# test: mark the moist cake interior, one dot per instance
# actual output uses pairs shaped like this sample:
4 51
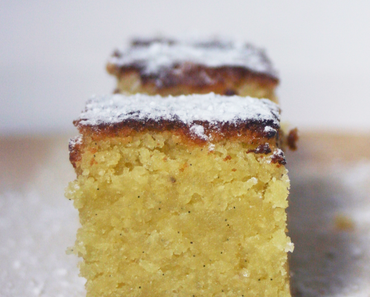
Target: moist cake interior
178 211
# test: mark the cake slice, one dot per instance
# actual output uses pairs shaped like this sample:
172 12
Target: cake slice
181 196
177 67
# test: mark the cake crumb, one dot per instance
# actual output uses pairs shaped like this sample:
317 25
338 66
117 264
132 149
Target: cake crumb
344 223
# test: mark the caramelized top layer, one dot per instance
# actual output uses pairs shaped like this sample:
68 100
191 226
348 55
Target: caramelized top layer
196 119
199 118
169 62
196 112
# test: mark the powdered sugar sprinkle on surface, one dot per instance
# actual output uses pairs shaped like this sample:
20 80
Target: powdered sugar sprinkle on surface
75 140
268 129
210 108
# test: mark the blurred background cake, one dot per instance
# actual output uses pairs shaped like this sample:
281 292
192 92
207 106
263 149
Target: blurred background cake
193 66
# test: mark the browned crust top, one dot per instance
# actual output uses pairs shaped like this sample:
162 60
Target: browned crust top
219 131
250 133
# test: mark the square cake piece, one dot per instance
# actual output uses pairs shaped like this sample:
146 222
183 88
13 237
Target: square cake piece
178 67
181 196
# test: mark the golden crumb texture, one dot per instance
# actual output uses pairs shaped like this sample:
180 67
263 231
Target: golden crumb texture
164 217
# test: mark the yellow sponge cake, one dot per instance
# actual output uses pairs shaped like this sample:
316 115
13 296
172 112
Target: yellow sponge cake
181 196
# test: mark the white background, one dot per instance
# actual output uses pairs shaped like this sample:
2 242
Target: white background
53 54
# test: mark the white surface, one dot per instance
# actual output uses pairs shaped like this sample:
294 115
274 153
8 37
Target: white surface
328 261
37 224
211 108
53 53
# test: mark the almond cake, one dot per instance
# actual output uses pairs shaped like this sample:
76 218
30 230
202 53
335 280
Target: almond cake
181 196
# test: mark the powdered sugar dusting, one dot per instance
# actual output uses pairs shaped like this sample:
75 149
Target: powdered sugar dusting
278 152
269 129
156 56
210 108
75 141
198 130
